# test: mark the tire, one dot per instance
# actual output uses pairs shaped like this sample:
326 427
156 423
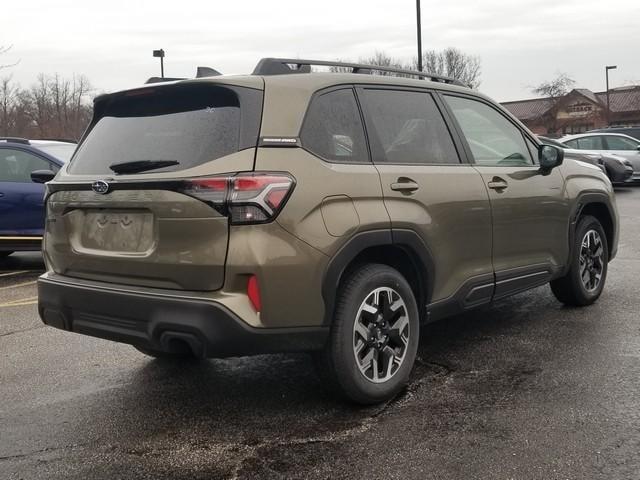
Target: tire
159 354
347 363
5 254
583 283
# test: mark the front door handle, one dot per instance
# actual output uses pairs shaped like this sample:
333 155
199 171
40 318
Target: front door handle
1 194
497 183
404 184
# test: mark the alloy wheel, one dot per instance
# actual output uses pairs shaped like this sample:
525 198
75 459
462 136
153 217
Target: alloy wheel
591 260
381 334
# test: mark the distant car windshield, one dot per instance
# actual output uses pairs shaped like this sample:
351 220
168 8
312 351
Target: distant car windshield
61 151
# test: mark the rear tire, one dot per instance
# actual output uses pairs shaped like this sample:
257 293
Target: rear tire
374 337
159 354
583 283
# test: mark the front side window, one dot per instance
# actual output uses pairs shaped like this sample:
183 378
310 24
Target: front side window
621 143
589 143
17 165
493 139
409 128
333 128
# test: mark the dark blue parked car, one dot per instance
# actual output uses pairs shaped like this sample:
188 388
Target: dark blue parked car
21 200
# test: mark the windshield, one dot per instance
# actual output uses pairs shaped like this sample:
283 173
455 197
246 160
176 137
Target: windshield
181 126
62 152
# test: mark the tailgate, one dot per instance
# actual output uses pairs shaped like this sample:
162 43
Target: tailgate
152 238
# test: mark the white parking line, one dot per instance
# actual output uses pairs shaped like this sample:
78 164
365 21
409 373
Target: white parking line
13 273
19 285
20 302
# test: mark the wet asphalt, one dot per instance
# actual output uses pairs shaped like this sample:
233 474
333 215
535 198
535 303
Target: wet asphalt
524 389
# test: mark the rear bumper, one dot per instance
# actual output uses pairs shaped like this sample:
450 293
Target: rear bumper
163 322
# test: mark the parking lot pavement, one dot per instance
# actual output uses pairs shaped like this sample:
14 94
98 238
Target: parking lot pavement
526 389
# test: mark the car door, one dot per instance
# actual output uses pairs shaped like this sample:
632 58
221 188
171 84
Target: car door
530 210
624 147
21 200
431 190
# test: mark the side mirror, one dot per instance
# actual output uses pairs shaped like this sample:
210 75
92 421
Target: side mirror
42 176
550 157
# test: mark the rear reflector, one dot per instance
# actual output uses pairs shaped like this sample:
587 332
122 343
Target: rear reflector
253 292
246 197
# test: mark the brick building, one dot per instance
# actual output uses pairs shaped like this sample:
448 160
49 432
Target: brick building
578 111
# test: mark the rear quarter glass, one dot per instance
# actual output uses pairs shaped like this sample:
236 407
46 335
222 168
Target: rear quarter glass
188 123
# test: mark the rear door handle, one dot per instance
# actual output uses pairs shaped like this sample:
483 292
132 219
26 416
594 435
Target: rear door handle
497 183
404 184
1 194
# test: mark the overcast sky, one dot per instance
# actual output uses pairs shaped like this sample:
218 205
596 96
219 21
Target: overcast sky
520 43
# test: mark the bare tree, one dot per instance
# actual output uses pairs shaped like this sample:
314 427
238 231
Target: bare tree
53 107
7 103
553 90
5 49
454 63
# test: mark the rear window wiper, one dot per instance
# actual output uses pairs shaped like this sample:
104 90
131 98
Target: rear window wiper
137 166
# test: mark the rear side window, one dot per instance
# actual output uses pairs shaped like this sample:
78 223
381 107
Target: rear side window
333 128
190 124
409 128
621 143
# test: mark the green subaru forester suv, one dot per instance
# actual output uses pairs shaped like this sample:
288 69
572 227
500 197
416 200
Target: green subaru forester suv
296 210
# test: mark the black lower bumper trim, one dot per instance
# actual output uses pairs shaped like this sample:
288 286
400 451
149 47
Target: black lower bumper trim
162 322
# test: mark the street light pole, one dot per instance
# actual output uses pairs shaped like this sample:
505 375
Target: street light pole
160 54
419 27
606 70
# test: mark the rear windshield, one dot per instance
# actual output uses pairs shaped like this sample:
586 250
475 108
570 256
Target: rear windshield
190 124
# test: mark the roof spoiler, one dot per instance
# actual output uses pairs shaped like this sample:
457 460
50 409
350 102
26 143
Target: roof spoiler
201 72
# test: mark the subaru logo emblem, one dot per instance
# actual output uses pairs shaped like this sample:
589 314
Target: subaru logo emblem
100 186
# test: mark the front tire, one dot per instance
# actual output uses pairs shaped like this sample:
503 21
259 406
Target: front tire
374 336
583 283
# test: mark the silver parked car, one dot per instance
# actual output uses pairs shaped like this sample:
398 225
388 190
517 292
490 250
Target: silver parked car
617 168
615 143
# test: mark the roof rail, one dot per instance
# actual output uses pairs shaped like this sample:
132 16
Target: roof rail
24 141
280 66
64 140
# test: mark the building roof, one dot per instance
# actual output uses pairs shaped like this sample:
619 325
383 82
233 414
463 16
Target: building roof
587 93
624 99
529 109
621 100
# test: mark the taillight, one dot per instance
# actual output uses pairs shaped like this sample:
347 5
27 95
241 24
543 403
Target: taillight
246 197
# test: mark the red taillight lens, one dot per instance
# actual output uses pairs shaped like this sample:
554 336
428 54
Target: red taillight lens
253 292
246 197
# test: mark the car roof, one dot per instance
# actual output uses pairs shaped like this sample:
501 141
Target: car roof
33 146
596 134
